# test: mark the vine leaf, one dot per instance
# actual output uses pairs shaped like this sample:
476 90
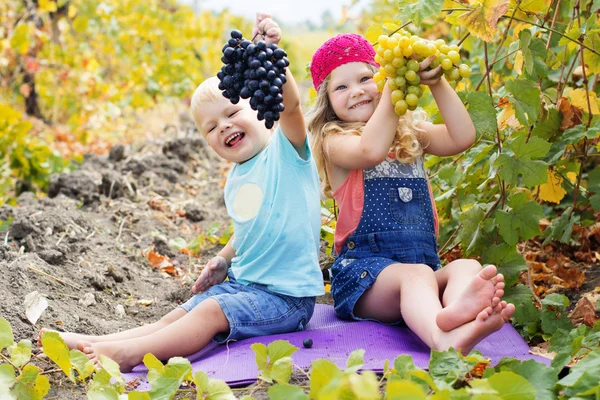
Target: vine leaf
508 261
552 191
418 10
520 163
6 334
482 21
482 112
526 100
579 98
522 221
512 386
286 392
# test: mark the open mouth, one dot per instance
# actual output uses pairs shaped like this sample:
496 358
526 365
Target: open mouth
234 139
362 103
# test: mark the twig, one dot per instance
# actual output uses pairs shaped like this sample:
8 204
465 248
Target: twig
451 237
88 237
121 229
464 38
53 277
391 33
532 287
51 371
302 370
60 239
10 362
552 24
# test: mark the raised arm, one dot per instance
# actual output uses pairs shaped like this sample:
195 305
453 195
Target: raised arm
458 132
291 119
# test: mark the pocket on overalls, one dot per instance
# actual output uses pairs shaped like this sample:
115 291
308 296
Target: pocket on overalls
407 205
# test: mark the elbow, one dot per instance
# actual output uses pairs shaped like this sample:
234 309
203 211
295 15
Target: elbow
373 157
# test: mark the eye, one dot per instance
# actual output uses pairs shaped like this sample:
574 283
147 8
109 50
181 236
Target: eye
233 113
365 78
340 87
211 129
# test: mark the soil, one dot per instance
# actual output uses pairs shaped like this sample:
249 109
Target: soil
84 247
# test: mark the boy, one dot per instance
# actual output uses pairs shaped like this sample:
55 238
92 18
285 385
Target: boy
272 195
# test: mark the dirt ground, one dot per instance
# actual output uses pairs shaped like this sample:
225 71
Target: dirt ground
84 247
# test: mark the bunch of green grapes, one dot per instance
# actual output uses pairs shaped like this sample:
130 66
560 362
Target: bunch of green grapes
399 56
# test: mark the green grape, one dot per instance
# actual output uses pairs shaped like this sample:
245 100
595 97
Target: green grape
447 64
380 86
398 62
410 76
416 90
400 81
407 51
388 55
412 108
397 95
444 49
380 51
391 43
464 70
382 40
411 99
416 81
401 71
454 56
392 84
398 51
454 75
434 64
400 107
390 71
413 65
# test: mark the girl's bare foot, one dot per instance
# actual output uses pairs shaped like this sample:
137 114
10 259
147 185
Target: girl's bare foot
124 356
465 337
485 290
70 338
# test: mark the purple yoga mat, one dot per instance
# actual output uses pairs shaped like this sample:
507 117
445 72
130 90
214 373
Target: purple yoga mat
335 339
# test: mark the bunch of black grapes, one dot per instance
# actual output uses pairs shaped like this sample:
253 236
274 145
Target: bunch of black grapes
255 71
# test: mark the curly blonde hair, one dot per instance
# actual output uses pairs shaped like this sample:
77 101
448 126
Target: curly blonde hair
322 121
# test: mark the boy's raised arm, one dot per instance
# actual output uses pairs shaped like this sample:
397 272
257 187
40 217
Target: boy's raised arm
291 119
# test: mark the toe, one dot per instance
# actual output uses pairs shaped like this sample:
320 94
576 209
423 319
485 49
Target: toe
508 311
488 272
499 293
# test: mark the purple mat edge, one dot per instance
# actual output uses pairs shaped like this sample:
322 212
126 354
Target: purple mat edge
195 359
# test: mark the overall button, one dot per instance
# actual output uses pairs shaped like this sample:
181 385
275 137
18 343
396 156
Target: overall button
364 273
350 245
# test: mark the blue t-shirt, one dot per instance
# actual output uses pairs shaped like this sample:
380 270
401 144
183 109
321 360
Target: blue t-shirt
274 201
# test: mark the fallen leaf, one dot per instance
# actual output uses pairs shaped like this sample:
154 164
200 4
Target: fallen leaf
157 204
158 261
145 302
35 305
571 115
579 98
585 311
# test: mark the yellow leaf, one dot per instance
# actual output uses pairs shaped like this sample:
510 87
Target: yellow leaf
47 5
373 33
534 6
572 176
506 118
519 62
552 191
578 99
72 11
482 21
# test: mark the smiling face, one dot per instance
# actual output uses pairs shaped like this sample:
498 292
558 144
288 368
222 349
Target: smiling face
353 92
232 130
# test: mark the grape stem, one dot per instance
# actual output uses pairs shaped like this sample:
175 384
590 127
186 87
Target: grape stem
391 33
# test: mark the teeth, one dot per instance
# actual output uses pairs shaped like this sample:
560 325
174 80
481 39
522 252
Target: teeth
359 104
230 138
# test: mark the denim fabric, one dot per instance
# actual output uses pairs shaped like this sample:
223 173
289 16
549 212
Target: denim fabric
253 310
396 226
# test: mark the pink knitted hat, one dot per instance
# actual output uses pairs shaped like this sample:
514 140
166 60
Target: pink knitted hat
340 50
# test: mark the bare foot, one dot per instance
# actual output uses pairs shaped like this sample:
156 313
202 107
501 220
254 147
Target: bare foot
485 290
465 337
123 356
70 338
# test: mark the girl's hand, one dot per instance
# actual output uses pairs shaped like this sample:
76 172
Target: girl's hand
266 29
214 272
431 77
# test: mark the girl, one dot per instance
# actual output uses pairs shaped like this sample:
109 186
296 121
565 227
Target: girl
371 162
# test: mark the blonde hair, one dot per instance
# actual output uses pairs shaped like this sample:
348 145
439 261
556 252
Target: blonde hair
207 92
322 121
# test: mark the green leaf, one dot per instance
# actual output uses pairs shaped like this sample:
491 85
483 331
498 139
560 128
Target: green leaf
281 371
83 365
403 364
534 55
20 353
403 390
554 314
364 385
533 172
166 383
507 259
286 392
418 10
138 396
511 386
548 125
20 38
261 355
56 350
483 113
470 235
31 385
583 375
280 349
212 389
325 377
561 227
522 221
534 149
355 360
6 334
113 369
7 380
525 99
447 366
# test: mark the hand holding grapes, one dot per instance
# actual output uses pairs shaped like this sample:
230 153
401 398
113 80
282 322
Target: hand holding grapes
266 29
432 76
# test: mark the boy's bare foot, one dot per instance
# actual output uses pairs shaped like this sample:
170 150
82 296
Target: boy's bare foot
70 338
485 290
467 336
123 356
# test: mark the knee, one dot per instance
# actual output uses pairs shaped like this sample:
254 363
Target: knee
416 273
464 266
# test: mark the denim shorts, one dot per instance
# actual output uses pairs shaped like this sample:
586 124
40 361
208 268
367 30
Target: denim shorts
363 257
253 310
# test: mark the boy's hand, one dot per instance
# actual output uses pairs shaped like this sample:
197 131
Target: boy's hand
432 77
214 272
266 29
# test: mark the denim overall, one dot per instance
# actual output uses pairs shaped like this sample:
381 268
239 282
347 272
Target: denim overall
396 226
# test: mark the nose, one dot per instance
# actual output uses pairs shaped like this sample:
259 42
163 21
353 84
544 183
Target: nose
224 126
357 91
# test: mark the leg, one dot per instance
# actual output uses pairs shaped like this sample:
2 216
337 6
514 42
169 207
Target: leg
183 337
467 290
413 287
72 338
